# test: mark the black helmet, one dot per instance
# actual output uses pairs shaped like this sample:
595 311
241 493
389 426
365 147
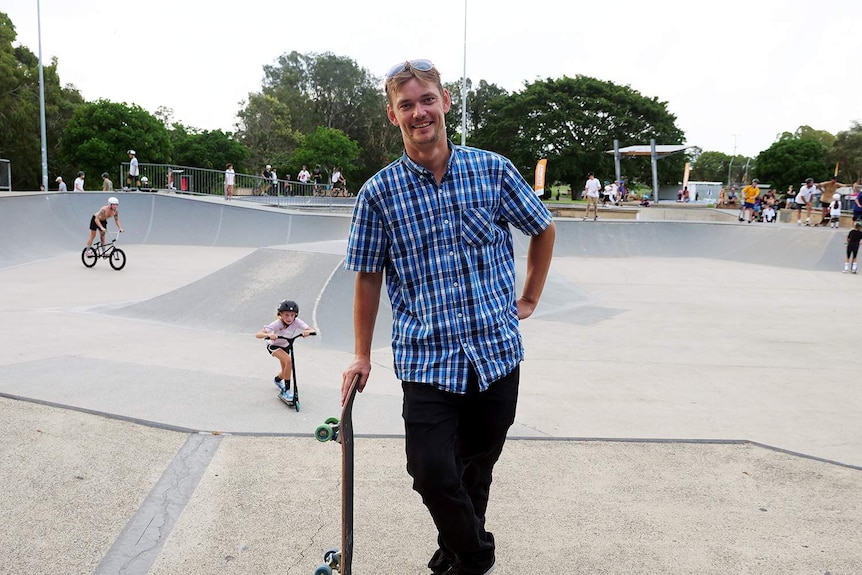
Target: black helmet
288 305
80 174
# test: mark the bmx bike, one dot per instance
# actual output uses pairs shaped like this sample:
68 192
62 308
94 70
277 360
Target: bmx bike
115 256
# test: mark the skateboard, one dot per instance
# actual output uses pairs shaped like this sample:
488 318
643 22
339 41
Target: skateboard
341 432
295 402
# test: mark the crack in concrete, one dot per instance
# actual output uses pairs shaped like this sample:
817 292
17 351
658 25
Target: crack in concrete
142 539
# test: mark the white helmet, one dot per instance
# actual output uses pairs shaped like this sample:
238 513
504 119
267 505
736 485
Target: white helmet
145 179
132 152
114 201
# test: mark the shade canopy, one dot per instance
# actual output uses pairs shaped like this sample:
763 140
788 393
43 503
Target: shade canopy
660 150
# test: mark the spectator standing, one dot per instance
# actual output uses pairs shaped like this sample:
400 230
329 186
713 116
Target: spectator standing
317 176
455 335
229 182
61 185
803 200
852 242
749 195
107 184
302 177
591 192
266 174
134 171
79 183
789 198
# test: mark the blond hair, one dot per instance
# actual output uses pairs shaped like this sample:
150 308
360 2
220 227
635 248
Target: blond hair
426 77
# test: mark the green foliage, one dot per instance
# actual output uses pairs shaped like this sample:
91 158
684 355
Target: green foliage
478 101
99 133
208 149
809 133
573 122
20 139
266 130
333 91
848 151
721 167
790 161
329 148
710 167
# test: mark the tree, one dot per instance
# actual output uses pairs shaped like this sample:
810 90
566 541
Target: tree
266 130
99 133
847 150
573 122
809 133
478 113
790 161
334 92
20 139
329 148
711 167
207 149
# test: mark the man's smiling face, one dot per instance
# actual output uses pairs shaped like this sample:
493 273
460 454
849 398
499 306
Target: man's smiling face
419 111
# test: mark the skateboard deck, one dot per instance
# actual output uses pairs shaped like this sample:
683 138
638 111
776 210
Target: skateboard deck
341 431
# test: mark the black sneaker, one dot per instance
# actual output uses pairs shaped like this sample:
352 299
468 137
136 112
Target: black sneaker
441 563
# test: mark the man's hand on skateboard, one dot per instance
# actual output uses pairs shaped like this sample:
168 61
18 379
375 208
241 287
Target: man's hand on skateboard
360 366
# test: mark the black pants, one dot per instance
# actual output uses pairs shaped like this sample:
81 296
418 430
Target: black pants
453 442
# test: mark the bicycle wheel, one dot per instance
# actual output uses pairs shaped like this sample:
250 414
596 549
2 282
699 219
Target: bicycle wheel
118 259
89 257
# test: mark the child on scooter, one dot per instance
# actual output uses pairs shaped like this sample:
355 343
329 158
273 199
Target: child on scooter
286 326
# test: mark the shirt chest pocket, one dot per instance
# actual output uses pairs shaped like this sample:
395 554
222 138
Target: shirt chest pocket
477 227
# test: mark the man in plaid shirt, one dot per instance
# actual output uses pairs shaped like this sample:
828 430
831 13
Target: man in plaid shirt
436 222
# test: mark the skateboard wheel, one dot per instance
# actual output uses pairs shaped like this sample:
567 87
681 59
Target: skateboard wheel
332 557
323 570
296 406
331 421
324 433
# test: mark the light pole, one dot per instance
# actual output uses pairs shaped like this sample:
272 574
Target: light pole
464 85
42 101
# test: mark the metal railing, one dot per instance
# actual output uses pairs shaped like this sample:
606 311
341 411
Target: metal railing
248 187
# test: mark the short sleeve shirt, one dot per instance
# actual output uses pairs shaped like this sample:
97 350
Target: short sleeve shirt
278 327
447 253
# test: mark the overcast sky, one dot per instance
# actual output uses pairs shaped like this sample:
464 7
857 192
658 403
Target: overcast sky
734 73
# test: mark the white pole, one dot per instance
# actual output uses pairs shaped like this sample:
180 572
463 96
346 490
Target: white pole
42 102
464 85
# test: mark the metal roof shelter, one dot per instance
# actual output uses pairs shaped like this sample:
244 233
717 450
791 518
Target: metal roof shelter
656 152
660 150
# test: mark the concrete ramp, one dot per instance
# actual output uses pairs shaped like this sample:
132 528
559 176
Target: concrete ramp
763 244
37 225
242 297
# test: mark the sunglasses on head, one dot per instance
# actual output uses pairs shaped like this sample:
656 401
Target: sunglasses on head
422 65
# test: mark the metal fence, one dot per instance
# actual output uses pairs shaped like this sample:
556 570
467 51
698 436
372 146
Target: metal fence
253 188
5 175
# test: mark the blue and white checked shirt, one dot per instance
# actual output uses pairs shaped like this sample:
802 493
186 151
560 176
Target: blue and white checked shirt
447 254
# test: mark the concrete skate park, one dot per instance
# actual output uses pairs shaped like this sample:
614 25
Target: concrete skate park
689 401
